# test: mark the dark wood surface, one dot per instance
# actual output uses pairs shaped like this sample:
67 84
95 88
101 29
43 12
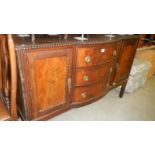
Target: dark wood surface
44 41
55 74
94 74
127 54
98 54
83 94
47 80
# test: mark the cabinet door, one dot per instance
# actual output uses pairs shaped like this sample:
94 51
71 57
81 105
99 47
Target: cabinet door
127 54
48 74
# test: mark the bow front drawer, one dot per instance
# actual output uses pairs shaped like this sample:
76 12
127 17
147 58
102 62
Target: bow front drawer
85 76
82 94
96 55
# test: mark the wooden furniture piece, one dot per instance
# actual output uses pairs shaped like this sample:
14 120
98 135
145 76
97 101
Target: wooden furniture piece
8 79
55 75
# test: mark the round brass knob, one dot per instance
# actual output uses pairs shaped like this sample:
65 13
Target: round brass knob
85 78
83 95
88 58
114 83
103 50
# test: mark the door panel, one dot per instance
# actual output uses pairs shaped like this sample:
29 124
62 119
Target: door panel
126 58
48 75
50 79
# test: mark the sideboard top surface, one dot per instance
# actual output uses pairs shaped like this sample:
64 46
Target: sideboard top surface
44 41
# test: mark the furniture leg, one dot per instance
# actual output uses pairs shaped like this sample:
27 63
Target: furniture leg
122 90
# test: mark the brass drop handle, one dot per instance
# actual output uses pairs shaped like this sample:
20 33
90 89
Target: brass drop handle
88 58
83 95
111 70
85 78
114 53
69 85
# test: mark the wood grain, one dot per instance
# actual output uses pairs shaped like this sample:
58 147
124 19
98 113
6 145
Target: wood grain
96 54
82 94
127 53
46 76
50 79
94 74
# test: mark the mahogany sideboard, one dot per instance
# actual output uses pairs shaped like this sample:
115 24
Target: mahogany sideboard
57 74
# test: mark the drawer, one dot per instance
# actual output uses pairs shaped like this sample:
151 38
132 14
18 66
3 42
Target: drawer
96 55
82 94
90 75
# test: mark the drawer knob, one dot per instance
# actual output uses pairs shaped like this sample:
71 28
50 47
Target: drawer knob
103 50
85 78
83 95
114 83
88 58
114 53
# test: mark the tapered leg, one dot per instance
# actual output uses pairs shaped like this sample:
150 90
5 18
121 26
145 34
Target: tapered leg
122 90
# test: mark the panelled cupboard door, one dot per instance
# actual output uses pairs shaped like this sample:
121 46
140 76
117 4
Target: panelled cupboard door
127 53
49 73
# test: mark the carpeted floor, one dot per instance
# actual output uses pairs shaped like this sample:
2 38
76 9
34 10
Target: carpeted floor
139 106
